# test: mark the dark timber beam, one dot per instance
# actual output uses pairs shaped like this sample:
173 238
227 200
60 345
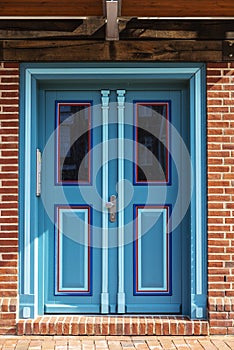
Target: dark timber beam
129 29
139 40
80 50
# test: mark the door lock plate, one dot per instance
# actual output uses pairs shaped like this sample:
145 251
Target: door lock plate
111 206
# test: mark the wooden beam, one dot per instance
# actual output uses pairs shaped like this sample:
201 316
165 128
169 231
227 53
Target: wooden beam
89 27
80 50
52 29
175 29
132 8
45 8
46 50
178 8
1 50
129 28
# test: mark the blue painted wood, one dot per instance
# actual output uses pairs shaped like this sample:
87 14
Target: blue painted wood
121 293
105 199
77 308
73 249
116 74
157 275
73 273
28 242
161 308
152 251
198 203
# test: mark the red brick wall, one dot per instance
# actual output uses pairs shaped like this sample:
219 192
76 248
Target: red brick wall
220 106
9 118
220 129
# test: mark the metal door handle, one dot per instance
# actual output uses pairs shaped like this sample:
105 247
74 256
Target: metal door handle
38 174
112 208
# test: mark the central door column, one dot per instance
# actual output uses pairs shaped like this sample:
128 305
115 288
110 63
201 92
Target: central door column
105 199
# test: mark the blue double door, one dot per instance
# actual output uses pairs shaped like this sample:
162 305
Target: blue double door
111 201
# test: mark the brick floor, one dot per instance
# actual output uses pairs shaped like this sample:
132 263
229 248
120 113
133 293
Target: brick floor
116 343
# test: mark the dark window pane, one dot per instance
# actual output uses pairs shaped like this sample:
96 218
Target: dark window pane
73 142
151 163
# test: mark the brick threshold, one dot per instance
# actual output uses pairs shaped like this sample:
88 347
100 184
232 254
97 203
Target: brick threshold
112 325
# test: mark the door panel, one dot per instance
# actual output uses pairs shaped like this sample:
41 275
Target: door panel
92 264
152 251
73 243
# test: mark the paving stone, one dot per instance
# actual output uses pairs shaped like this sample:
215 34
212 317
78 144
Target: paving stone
220 344
22 344
180 343
166 343
193 344
116 343
35 344
119 337
74 342
101 344
140 345
207 344
154 344
115 347
230 343
9 344
87 345
48 345
126 344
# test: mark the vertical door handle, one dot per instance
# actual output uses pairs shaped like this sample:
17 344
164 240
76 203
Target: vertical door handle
38 174
112 208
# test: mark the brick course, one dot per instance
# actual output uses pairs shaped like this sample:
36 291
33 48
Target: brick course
105 325
220 173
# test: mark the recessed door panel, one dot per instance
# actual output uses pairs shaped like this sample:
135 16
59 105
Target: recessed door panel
152 255
73 251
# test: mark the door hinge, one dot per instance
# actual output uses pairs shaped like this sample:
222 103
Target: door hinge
38 174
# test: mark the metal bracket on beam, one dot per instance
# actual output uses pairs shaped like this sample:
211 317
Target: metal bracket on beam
112 28
228 50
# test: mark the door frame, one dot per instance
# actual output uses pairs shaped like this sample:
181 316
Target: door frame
31 247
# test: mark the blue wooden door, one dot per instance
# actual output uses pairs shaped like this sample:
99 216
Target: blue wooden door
100 143
152 267
72 263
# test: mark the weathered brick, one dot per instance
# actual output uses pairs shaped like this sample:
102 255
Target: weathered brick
9 107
